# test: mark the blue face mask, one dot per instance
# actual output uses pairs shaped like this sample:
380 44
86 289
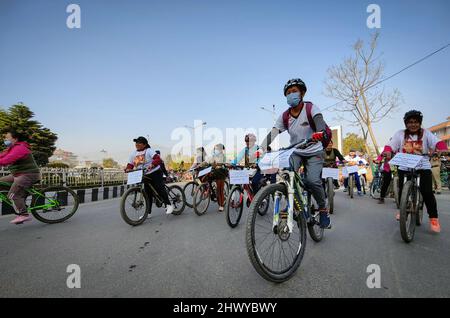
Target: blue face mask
293 99
7 143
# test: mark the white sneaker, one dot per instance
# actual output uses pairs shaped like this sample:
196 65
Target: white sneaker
170 209
221 209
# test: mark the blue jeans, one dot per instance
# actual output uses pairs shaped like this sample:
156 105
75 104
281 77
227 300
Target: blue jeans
358 183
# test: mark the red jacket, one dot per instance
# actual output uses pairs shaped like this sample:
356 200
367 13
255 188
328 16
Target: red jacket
18 151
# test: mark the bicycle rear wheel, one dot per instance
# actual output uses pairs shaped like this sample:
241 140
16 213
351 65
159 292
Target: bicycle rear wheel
275 253
395 188
134 206
330 195
408 213
176 198
189 192
419 213
54 205
234 206
202 199
314 229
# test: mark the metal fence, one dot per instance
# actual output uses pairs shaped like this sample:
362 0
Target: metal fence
79 178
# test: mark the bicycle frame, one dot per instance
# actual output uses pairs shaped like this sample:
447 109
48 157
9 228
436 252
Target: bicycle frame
296 189
415 179
32 191
153 190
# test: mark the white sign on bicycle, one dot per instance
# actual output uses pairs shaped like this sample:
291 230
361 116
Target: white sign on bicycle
352 169
277 159
345 172
362 171
405 160
330 173
239 177
204 172
134 177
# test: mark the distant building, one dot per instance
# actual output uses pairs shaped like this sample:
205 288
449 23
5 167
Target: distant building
337 137
442 131
66 157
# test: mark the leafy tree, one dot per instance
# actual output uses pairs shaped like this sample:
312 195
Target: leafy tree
41 139
110 163
57 164
355 142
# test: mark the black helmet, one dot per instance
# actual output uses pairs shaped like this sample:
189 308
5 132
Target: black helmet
295 82
413 114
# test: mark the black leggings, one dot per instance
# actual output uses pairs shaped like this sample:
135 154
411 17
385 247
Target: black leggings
156 179
426 188
387 178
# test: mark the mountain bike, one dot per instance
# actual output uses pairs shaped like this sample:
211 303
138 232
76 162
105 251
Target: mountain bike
375 186
276 241
135 203
190 188
205 192
411 206
50 205
235 201
329 187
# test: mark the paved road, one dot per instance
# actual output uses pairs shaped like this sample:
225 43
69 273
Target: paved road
191 256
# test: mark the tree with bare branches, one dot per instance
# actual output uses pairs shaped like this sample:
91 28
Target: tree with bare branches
355 83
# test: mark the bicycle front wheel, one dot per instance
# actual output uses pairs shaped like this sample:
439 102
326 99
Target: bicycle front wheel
54 204
134 206
351 186
202 199
234 206
274 251
375 188
408 206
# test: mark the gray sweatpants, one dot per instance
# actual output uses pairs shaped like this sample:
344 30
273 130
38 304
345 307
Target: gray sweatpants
17 192
313 166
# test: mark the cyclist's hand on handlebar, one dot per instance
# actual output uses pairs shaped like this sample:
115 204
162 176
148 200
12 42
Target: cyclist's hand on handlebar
318 136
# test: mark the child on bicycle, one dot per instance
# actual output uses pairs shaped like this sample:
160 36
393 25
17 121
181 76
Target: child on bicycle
145 158
24 172
304 120
353 159
251 155
386 176
419 141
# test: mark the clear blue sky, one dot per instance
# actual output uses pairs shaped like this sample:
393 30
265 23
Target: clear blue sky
146 67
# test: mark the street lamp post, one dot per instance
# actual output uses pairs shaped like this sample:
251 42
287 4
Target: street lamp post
203 123
273 112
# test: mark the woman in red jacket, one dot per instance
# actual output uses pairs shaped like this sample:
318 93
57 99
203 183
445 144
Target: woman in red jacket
24 172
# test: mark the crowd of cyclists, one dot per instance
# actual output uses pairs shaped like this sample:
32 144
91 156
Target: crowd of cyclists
302 120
